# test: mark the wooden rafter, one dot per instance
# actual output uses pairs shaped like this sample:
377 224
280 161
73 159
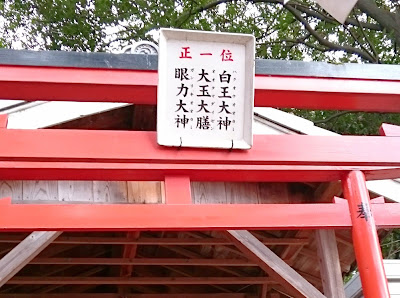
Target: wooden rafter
157 241
143 261
129 252
273 265
23 253
77 280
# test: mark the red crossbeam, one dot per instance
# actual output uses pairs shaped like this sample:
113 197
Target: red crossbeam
119 217
141 147
139 87
79 155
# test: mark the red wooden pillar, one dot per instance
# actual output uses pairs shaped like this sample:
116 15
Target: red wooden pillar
177 190
365 238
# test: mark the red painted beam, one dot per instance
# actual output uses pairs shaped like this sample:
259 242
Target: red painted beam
139 87
114 155
327 93
134 217
156 172
389 130
121 146
120 217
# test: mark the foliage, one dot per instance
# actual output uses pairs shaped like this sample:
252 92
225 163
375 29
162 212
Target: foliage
391 245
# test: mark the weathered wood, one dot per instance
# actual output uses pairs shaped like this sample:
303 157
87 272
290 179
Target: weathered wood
329 263
64 280
143 261
69 191
23 253
129 252
110 191
311 254
157 241
327 191
40 190
264 291
144 192
144 117
273 193
11 189
273 264
242 193
209 192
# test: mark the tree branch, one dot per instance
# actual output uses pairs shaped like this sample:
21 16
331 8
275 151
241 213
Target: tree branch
185 16
331 20
332 117
388 20
376 60
371 45
321 16
325 42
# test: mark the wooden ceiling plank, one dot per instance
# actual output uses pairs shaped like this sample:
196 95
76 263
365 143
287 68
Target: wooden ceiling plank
183 273
156 241
329 262
90 272
77 280
58 269
273 264
142 261
190 254
311 254
23 253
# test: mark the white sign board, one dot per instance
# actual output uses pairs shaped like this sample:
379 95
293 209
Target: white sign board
205 89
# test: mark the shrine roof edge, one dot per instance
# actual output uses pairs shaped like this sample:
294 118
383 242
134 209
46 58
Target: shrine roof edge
150 62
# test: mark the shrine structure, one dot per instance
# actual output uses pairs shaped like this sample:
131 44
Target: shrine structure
93 207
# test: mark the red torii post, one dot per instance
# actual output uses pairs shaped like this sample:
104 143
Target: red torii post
369 257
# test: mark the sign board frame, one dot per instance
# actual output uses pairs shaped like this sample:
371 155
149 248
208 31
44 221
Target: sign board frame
166 135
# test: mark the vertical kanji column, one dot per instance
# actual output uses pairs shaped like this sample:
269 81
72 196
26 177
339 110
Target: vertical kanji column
365 238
